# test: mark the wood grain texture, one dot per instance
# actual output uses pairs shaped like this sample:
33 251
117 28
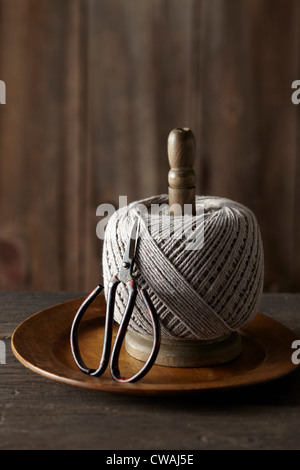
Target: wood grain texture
41 202
40 414
276 135
93 90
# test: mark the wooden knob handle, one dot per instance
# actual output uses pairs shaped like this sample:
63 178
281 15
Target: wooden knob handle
181 177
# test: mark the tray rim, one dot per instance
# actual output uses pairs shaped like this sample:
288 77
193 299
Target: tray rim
150 389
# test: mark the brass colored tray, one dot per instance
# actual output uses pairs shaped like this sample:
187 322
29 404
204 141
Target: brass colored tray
41 343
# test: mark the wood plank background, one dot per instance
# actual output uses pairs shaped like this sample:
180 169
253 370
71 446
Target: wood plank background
94 88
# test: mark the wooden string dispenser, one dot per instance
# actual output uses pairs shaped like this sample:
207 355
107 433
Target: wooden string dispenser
184 352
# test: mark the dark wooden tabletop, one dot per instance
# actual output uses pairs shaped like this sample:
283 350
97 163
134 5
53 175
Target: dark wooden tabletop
38 413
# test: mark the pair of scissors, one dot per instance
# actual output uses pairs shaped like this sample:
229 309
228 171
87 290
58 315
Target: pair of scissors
125 276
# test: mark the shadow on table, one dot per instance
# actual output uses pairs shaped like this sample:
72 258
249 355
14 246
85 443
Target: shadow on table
282 392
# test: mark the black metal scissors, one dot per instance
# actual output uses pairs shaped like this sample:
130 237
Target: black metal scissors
125 276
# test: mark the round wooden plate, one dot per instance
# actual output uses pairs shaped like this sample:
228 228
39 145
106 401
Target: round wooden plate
42 344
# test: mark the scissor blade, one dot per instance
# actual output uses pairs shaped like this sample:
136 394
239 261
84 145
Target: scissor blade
128 259
132 243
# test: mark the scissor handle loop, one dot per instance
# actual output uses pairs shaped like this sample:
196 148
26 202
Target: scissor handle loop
107 332
114 363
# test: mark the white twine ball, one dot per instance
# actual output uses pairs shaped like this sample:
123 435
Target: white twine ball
200 293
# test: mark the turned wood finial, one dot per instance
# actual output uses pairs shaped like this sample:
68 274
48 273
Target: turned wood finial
181 177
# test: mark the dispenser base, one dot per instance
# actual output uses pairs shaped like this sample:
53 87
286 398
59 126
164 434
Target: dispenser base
185 352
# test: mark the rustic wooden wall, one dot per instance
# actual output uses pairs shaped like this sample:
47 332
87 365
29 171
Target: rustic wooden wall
93 89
